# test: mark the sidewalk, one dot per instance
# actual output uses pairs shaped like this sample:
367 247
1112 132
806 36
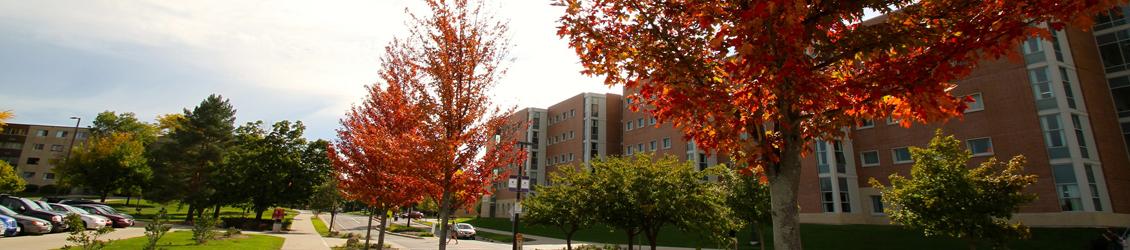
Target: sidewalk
302 235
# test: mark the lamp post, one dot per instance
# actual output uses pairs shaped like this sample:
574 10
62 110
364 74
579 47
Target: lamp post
518 203
74 135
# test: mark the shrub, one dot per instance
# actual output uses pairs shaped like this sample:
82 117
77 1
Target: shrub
250 224
232 231
595 247
31 188
83 239
156 229
203 230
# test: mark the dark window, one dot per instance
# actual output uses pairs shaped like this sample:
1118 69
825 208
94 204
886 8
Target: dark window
826 195
1121 101
33 161
876 204
845 198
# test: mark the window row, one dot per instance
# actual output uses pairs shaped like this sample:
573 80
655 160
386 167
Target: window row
651 146
562 117
974 104
561 138
639 123
46 176
901 155
563 158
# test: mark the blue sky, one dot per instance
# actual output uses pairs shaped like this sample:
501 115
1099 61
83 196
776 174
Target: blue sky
275 60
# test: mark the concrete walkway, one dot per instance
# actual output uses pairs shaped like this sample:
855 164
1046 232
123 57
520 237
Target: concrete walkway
302 235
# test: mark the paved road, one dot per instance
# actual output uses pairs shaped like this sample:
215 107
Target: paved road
57 240
357 224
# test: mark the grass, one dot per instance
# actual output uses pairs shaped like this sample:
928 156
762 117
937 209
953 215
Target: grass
178 212
183 240
498 237
817 236
320 226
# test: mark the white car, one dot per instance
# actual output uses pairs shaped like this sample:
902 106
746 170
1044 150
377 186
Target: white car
464 230
92 221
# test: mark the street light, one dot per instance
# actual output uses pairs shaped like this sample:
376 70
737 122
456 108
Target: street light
518 204
74 135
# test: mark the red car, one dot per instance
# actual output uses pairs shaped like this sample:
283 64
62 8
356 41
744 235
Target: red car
120 220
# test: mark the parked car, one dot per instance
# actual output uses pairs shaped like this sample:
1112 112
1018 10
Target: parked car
79 201
464 230
413 215
120 220
9 226
30 208
27 224
91 221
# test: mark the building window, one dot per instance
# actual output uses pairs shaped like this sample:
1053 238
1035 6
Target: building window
1053 136
628 150
821 157
1066 76
701 162
570 135
1110 48
1078 123
81 135
570 156
61 134
534 160
639 147
865 123
628 127
1045 98
869 158
1094 187
1033 50
57 148
666 143
572 113
976 104
595 108
640 122
594 150
32 161
845 198
652 146
876 204
901 155
652 121
829 205
1113 17
11 145
594 130
841 159
28 175
1067 187
892 120
980 146
48 176
537 121
39 146
41 133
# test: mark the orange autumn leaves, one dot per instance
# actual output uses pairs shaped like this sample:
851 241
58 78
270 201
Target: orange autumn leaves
427 128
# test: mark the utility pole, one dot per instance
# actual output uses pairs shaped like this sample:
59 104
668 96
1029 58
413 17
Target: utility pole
518 203
73 136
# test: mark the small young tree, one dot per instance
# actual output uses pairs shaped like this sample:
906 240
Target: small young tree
749 199
85 240
944 197
561 205
106 163
156 229
9 181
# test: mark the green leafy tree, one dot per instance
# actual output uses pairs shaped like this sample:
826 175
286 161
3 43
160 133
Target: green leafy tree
109 122
640 194
106 164
9 181
197 146
945 197
560 205
276 167
748 197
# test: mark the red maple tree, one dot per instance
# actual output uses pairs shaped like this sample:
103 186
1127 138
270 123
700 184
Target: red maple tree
456 53
761 79
375 153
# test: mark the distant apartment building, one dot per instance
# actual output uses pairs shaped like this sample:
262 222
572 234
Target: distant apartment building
569 133
33 149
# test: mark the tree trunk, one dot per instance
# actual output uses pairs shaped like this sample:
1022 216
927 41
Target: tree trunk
127 200
569 240
216 213
333 213
384 226
783 183
757 234
651 237
444 206
369 228
409 223
259 214
631 238
191 211
104 194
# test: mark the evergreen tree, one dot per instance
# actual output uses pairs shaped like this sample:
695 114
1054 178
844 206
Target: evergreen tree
193 153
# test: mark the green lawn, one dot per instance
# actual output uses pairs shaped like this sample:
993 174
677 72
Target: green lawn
818 237
177 212
320 226
183 240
